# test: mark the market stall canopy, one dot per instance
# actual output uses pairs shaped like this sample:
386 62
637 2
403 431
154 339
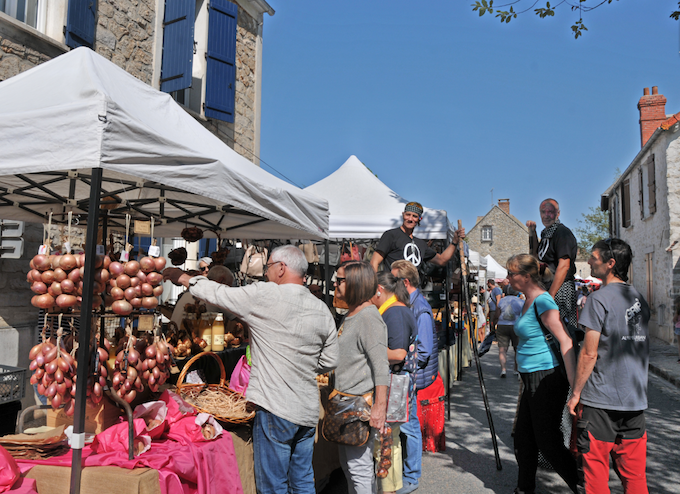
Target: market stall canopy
494 269
361 206
476 260
79 111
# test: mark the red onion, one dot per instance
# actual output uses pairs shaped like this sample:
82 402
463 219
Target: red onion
116 269
47 277
160 263
59 275
42 262
123 281
147 264
65 301
131 268
122 307
149 302
68 262
44 301
157 290
154 278
117 293
67 286
55 289
130 293
39 287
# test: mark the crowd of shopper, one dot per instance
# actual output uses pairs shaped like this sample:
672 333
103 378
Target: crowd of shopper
388 330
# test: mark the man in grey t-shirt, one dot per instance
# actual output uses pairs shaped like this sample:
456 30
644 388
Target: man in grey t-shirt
610 390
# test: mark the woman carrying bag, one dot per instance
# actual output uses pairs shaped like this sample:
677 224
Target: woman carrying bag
545 386
363 367
392 300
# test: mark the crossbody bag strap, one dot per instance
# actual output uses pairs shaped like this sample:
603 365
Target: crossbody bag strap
549 338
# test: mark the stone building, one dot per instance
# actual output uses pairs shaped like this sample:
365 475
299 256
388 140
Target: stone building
644 210
206 53
499 234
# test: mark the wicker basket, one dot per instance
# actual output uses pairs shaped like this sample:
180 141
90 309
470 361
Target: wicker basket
184 389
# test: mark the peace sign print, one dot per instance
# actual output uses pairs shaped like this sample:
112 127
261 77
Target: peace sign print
412 253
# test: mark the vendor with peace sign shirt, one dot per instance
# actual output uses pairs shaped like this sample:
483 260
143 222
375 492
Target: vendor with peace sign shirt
399 243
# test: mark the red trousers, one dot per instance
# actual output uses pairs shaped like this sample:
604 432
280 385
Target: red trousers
620 435
431 409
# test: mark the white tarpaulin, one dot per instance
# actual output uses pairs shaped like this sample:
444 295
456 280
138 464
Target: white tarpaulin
361 206
79 111
495 270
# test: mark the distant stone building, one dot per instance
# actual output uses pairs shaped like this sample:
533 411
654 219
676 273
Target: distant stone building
499 234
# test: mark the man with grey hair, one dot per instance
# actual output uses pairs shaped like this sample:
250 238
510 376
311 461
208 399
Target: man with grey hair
293 338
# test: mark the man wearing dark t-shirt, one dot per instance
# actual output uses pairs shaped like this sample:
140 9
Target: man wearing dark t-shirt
399 243
610 387
557 250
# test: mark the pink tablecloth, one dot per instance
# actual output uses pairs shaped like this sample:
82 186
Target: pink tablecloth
185 463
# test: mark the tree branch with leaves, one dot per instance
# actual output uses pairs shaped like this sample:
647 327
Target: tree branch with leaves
579 6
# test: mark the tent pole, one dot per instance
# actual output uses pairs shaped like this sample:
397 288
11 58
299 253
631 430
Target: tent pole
78 439
446 325
326 273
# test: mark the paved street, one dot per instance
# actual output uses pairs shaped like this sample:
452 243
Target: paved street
468 465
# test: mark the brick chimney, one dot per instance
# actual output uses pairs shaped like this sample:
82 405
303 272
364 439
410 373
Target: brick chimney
504 204
652 113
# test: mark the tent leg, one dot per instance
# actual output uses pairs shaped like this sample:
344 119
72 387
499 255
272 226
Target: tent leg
327 274
85 330
447 332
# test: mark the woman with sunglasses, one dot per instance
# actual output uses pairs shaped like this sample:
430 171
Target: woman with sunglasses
204 265
363 366
545 388
392 300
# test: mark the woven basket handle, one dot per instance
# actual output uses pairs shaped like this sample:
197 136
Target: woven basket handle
185 370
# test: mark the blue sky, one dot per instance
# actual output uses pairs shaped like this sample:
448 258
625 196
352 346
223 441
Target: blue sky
444 105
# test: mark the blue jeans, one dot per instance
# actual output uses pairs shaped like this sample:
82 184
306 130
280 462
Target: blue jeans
413 447
282 453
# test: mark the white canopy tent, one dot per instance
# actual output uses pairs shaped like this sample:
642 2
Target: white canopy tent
494 269
78 112
78 131
362 207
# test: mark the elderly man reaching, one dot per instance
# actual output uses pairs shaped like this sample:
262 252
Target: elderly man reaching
293 338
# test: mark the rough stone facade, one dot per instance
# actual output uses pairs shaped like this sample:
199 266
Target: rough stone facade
125 35
22 48
509 237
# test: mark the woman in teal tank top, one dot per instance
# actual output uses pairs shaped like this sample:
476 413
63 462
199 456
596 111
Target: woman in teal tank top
545 388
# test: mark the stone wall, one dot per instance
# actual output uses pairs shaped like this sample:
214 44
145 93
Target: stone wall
22 48
125 35
509 236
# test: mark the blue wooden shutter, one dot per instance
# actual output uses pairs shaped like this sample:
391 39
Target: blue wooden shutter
81 23
220 87
178 44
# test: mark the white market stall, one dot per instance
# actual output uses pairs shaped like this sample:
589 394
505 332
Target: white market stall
77 132
363 207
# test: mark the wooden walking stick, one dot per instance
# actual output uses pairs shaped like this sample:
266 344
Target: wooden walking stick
466 300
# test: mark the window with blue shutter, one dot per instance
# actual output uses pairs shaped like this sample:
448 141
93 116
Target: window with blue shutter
178 44
206 246
220 87
81 23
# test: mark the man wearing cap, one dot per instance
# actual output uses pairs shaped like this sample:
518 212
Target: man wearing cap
399 243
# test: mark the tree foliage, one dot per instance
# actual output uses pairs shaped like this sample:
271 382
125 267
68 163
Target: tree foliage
578 6
593 227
